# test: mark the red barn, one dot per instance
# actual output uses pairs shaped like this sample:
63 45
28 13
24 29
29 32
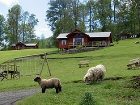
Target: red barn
71 40
21 45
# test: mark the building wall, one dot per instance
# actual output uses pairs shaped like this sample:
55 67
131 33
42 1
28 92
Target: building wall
89 42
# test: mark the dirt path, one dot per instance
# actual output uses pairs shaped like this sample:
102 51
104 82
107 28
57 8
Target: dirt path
10 97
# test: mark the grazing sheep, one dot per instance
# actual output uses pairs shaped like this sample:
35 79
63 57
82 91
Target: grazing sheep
94 74
49 83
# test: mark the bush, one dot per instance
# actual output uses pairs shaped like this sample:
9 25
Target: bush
87 99
79 47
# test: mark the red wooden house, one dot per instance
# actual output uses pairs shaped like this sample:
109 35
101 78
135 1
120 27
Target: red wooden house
75 38
21 45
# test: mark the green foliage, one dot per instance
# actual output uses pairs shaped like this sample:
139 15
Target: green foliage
42 42
2 27
13 22
94 15
18 26
79 47
26 27
87 99
50 42
103 13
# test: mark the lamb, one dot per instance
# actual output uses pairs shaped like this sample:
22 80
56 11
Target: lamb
48 83
94 74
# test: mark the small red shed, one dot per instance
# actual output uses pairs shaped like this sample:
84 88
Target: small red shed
21 45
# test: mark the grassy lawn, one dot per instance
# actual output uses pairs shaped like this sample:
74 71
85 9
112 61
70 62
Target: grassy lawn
105 93
8 55
65 67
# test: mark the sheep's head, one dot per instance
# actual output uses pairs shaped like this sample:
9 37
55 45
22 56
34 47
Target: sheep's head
37 79
89 79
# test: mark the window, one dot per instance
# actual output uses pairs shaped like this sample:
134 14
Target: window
78 39
63 42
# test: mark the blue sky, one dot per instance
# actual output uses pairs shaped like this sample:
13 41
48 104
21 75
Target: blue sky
37 7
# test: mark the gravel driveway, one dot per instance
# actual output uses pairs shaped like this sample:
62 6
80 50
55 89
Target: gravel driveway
10 97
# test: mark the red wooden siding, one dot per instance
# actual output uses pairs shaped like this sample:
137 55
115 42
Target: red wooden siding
72 39
21 45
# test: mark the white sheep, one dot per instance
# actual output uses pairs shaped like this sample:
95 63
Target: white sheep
94 74
48 83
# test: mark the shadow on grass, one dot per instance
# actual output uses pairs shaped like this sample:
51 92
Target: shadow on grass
109 78
134 81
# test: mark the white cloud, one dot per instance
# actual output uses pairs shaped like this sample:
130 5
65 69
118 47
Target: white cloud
41 30
9 3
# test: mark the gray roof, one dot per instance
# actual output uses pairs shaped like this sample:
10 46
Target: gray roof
63 35
28 44
31 44
99 34
93 34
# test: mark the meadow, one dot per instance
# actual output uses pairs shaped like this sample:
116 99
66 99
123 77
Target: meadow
65 67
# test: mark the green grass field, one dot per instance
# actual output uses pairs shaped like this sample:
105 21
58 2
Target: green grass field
65 67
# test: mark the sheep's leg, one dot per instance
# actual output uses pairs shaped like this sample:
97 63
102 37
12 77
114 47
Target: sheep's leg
100 78
57 90
60 89
43 90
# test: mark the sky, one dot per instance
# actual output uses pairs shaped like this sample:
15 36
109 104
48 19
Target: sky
37 7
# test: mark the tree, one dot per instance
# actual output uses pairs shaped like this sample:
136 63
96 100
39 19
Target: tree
75 9
32 21
115 8
90 10
42 42
59 17
103 13
26 27
137 5
83 16
13 23
2 27
123 20
23 25
20 27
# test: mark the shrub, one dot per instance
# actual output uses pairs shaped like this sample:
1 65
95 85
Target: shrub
87 99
